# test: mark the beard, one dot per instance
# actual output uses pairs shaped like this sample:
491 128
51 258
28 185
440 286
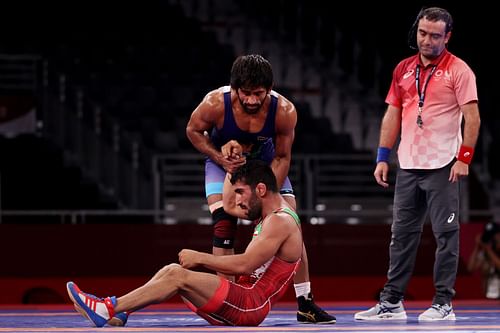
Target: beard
255 108
254 208
430 52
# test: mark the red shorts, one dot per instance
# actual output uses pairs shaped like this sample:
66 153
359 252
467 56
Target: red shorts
235 305
248 302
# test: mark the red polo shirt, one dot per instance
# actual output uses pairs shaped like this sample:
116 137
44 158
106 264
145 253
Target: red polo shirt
451 85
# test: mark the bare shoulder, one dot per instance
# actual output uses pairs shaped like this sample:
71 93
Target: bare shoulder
285 107
281 221
284 230
214 99
286 117
211 108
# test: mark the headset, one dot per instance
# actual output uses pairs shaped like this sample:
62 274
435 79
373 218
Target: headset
412 34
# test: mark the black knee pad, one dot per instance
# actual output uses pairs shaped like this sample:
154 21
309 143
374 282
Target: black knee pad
224 229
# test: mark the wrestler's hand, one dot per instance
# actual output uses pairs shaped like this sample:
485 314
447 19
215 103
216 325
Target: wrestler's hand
232 152
189 258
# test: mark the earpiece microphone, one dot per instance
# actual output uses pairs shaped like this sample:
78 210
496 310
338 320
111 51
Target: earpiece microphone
412 34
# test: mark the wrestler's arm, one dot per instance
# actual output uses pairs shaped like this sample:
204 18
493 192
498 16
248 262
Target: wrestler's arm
274 232
229 199
204 118
286 120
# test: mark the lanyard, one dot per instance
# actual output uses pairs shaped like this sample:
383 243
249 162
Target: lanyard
421 94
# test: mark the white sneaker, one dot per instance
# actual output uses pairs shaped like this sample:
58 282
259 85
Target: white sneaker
493 287
438 312
383 311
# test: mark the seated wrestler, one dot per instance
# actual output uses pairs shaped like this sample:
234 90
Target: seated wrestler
267 266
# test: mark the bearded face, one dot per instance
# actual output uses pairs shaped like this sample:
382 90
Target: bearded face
251 100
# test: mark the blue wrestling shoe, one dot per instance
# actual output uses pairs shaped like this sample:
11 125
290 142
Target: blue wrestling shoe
120 319
98 310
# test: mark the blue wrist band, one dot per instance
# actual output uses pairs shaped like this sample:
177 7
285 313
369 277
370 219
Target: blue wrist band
383 154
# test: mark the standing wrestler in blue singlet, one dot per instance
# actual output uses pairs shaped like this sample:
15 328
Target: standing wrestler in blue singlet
248 121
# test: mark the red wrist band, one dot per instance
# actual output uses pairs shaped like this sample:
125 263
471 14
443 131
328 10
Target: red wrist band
465 154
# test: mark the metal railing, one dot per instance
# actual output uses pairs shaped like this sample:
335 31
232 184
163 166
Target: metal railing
338 187
335 188
170 188
19 72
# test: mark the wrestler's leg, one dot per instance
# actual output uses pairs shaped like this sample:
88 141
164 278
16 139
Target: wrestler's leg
302 274
197 287
308 311
223 222
224 226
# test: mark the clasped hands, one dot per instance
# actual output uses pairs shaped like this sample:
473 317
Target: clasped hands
233 155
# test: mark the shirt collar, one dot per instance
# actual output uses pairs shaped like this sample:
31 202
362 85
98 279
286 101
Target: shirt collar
434 62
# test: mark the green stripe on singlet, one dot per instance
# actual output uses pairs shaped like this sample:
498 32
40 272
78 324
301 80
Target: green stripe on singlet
289 212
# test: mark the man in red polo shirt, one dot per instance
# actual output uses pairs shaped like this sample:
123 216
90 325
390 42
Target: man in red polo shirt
431 94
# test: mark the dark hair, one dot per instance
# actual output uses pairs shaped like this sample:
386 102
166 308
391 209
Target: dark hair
435 14
254 172
251 71
432 14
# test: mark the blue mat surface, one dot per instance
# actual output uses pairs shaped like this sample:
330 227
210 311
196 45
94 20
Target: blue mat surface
474 316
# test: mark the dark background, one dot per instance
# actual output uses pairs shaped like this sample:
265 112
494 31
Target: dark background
45 256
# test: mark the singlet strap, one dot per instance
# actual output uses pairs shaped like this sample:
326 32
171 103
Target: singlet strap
228 110
270 123
289 212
